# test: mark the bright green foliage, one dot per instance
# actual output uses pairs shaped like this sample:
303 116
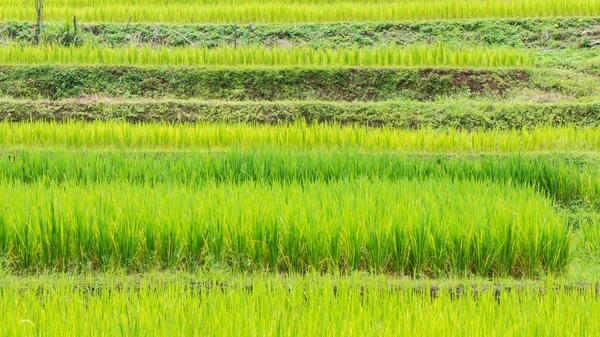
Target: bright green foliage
292 136
555 176
322 209
251 11
312 306
431 227
416 55
259 197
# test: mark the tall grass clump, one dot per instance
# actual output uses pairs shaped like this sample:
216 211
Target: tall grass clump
293 136
311 306
590 231
414 227
416 55
281 11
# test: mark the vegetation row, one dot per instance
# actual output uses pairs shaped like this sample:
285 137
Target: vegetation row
543 34
280 11
409 56
566 179
446 114
415 227
289 83
268 306
123 136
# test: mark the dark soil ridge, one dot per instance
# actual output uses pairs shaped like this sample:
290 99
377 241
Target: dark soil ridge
472 291
550 33
460 114
269 84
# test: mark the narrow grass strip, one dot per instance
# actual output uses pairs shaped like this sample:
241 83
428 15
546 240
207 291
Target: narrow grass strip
293 136
410 56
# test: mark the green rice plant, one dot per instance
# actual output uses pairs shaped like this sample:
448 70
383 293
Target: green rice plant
280 11
91 3
416 55
415 227
591 234
269 306
561 178
294 136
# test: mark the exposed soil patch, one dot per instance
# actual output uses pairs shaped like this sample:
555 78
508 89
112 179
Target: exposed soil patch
478 81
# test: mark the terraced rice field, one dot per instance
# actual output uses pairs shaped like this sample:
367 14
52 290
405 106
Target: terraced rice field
300 168
249 11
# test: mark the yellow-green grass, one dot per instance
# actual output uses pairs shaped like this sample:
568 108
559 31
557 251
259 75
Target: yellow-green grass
119 135
268 306
410 56
279 11
414 227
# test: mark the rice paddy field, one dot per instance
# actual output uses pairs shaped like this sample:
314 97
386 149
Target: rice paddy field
418 55
251 11
300 168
